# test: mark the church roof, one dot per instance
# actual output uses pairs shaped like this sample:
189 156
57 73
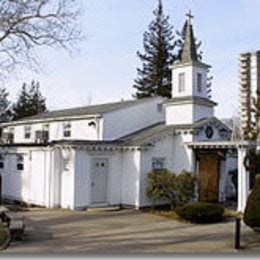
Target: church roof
93 110
191 99
154 132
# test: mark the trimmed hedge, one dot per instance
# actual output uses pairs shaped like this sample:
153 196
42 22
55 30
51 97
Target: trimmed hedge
252 211
201 212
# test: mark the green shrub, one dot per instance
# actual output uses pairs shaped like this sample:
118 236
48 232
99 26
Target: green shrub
176 189
201 212
252 211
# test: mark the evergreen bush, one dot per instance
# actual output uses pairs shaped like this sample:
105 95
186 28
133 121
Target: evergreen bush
175 189
252 211
201 212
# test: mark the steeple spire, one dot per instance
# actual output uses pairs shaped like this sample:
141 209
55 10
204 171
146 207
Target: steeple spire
189 51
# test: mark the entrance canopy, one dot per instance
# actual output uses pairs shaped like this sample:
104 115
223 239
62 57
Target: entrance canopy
243 174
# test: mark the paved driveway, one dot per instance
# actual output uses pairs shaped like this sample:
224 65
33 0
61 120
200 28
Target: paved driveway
112 231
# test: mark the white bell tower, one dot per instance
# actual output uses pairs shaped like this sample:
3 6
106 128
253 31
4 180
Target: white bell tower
190 101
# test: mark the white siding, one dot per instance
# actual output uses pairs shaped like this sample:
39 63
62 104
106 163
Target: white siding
178 114
28 185
131 178
68 182
79 130
125 121
83 172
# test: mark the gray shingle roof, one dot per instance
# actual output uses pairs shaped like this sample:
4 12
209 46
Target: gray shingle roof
146 135
84 111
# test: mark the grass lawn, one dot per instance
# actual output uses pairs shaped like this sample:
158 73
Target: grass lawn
2 234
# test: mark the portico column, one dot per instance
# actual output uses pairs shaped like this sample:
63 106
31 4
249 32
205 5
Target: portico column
243 179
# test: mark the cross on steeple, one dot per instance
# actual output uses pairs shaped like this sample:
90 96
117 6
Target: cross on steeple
190 16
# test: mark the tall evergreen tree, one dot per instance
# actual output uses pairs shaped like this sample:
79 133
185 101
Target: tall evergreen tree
30 101
154 78
5 105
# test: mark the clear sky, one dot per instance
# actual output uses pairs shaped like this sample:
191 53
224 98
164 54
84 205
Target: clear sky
105 67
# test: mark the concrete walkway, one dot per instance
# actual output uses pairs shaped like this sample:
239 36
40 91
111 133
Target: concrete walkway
125 231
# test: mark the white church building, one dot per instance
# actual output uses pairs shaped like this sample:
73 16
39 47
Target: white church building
100 155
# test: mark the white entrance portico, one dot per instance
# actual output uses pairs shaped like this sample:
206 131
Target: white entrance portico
221 149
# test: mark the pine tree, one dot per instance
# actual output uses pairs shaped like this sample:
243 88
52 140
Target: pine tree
5 112
30 101
154 78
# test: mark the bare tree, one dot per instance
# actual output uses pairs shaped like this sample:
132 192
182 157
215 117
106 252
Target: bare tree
27 25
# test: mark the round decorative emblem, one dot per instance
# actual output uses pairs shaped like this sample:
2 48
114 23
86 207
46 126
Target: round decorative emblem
209 132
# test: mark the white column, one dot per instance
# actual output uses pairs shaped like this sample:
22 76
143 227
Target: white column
243 180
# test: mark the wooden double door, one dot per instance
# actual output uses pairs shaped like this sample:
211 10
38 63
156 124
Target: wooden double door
209 173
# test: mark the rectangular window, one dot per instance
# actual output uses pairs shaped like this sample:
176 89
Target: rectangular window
159 108
67 130
181 82
158 163
20 162
45 127
199 82
10 135
27 132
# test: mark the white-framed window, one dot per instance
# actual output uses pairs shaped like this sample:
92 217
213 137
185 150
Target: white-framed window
19 162
199 82
160 108
27 132
158 163
181 82
67 129
45 127
9 135
2 163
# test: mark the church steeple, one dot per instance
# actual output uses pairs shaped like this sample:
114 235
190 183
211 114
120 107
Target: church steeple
189 51
190 99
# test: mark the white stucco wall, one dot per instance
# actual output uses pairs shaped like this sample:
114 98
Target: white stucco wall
128 120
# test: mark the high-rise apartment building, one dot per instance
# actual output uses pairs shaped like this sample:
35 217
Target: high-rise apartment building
249 85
